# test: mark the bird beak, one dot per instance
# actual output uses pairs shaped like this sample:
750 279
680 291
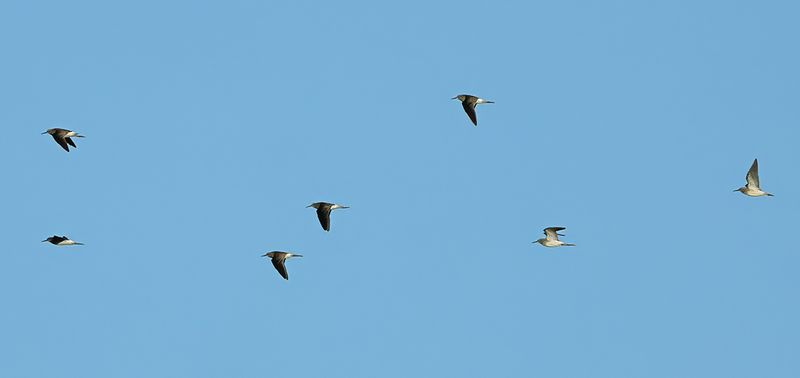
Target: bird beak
264 255
44 240
44 133
454 98
308 206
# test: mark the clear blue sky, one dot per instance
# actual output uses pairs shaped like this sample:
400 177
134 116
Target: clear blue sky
210 127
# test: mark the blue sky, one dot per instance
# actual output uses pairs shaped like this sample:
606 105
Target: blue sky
210 127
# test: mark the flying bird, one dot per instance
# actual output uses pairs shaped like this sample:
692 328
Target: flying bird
61 241
63 137
324 212
278 260
551 238
469 102
753 187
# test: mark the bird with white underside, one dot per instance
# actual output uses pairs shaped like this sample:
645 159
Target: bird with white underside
60 241
551 238
753 187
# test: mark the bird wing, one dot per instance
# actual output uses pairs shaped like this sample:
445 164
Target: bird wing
469 107
59 239
280 267
61 142
552 232
752 176
71 143
324 215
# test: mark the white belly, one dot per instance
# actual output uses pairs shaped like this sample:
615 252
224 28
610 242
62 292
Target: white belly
552 243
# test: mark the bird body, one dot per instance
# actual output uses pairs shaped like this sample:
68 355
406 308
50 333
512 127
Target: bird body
553 243
755 192
324 212
60 241
469 102
551 238
279 261
63 137
753 187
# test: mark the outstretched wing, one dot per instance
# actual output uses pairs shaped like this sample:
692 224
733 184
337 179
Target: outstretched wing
752 176
324 215
71 143
469 107
552 232
61 142
280 267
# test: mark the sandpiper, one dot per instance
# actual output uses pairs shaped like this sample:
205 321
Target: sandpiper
753 187
324 212
469 102
63 137
61 241
551 238
278 260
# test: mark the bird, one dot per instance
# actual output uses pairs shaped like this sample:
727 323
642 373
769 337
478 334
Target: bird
63 137
278 260
469 102
324 212
753 187
61 241
551 238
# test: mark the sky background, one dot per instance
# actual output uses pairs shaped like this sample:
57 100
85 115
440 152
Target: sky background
209 127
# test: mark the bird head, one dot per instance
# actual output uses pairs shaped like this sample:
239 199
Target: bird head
742 189
459 98
48 131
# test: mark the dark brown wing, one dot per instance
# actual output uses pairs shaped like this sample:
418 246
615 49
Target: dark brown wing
470 109
324 215
280 267
71 143
61 143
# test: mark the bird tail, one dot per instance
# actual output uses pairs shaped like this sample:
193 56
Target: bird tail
771 195
297 255
76 243
568 245
488 102
78 136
